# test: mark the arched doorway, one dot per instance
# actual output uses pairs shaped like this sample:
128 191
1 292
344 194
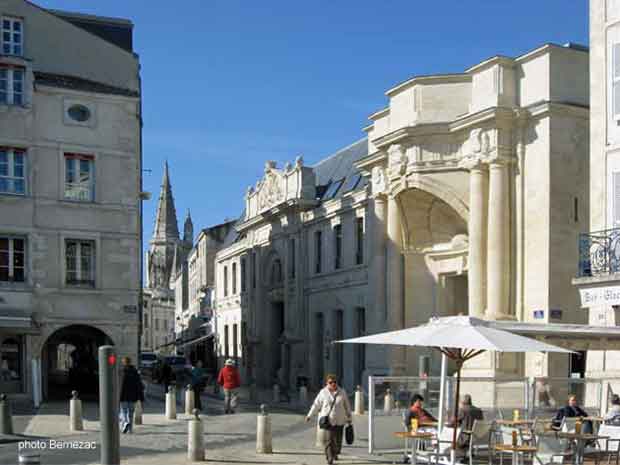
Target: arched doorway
435 249
69 362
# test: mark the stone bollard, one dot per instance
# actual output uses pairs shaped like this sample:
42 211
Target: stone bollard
388 401
190 402
303 395
276 394
195 439
263 432
6 419
137 413
171 403
359 401
75 413
322 436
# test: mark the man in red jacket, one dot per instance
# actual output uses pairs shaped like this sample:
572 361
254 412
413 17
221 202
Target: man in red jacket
229 379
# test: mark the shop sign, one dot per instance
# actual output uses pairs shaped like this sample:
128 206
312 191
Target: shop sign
604 295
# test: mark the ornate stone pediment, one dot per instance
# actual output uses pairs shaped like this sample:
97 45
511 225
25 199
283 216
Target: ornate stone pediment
292 183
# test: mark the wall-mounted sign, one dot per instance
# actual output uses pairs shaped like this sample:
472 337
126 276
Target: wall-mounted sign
555 314
604 295
539 314
130 308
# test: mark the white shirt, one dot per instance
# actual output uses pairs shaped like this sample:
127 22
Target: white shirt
340 414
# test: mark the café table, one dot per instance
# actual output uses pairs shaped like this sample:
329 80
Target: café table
416 437
580 440
515 450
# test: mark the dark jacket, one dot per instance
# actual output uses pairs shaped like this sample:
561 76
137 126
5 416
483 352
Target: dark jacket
467 416
568 412
132 388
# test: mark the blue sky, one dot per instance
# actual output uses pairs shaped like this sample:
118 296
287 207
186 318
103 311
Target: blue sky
228 84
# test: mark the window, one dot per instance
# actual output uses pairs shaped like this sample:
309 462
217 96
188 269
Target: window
156 324
332 190
235 341
11 85
234 278
276 272
359 241
244 339
225 281
79 177
226 341
615 79
165 325
338 246
318 252
11 364
243 276
253 270
146 321
12 259
80 262
12 171
292 258
616 198
12 36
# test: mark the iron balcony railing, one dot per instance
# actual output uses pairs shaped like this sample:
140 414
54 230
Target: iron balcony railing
599 252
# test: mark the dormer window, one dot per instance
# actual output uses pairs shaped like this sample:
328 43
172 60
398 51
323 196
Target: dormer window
12 36
11 85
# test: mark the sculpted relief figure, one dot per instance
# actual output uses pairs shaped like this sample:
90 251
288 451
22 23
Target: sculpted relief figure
271 191
378 180
397 159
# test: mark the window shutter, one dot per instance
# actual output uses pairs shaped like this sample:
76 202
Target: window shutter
616 198
615 78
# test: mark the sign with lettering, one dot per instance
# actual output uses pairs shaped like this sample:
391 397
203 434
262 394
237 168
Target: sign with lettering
604 295
130 308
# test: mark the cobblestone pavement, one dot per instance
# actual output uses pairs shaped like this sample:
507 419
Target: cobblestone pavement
229 439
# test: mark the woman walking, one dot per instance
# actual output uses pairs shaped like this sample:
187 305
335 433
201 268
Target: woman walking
132 390
332 402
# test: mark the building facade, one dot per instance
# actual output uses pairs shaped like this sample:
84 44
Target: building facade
473 191
166 252
598 278
70 193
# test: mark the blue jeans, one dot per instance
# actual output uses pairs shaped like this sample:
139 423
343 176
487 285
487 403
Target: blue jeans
127 409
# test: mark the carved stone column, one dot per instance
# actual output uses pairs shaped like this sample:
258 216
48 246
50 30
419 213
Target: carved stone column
395 276
477 259
498 268
377 257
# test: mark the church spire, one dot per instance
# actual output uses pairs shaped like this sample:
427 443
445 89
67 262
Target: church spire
188 230
166 226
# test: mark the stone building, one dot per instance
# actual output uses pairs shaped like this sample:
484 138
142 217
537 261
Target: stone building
161 260
70 171
599 263
193 284
476 192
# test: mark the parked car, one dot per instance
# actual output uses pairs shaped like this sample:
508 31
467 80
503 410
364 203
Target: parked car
148 362
180 368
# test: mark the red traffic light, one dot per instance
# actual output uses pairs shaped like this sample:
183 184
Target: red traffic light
111 359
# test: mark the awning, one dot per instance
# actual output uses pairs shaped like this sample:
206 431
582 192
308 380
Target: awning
19 321
566 335
197 340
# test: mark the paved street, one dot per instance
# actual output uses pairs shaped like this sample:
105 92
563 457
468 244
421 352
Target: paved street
228 438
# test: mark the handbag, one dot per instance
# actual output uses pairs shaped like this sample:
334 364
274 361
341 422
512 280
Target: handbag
324 421
349 434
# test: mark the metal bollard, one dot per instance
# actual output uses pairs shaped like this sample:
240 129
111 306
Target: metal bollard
263 432
171 403
29 458
303 395
359 401
195 439
388 401
190 401
75 413
6 420
137 413
276 394
108 406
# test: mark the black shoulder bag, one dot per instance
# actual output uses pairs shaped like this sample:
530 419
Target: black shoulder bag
324 421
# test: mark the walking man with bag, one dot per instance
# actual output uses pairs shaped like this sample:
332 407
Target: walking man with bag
132 390
332 405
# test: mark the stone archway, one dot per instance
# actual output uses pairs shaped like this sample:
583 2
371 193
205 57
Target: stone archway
69 361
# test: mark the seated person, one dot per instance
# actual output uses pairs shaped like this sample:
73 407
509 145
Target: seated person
468 413
612 417
417 411
572 410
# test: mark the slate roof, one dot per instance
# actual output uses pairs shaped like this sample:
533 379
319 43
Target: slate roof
77 83
339 166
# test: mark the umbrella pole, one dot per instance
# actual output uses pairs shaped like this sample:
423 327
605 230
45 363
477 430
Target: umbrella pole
459 364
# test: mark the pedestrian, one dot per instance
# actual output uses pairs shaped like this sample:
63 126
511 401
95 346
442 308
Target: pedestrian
230 380
199 375
132 390
332 402
167 375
